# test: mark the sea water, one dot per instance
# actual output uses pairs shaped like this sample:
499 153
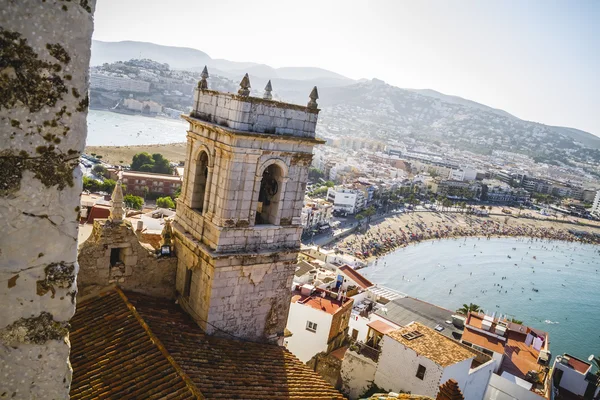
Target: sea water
550 285
106 128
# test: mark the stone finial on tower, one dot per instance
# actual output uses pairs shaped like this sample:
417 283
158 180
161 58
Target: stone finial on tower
450 391
268 90
203 84
314 95
245 86
167 234
117 211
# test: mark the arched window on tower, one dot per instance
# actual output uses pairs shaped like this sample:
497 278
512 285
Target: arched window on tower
269 195
200 179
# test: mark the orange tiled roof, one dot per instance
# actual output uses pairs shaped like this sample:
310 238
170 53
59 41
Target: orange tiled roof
326 304
217 368
356 276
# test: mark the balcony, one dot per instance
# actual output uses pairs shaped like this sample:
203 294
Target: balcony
366 350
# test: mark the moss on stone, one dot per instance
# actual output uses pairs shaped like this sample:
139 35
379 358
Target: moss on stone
36 330
57 275
26 78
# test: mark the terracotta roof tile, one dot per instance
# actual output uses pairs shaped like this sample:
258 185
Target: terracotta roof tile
113 357
356 277
224 368
433 345
131 346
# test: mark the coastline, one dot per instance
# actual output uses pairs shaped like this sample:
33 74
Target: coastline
397 232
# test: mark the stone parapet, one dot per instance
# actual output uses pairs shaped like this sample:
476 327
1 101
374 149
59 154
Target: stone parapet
252 114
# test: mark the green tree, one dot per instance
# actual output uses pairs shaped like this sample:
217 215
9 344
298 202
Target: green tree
90 184
99 170
161 164
368 213
467 308
108 185
132 201
165 202
156 163
315 174
141 159
516 321
330 184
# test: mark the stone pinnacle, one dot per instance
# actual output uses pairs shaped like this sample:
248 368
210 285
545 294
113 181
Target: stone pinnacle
314 95
203 84
245 86
268 90
117 211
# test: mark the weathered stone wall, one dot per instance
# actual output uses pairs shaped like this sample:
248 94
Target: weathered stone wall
358 374
246 295
253 114
44 60
139 269
329 367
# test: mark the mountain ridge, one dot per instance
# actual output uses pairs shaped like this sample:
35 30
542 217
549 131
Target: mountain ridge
294 83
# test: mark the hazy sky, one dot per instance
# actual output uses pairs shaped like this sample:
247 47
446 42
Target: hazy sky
539 60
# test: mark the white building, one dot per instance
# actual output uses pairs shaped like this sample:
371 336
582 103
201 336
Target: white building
118 83
596 206
517 352
570 377
317 321
345 200
463 174
418 359
316 213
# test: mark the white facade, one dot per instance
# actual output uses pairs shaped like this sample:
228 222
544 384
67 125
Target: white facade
463 174
349 201
118 83
596 205
500 388
398 365
316 213
571 380
305 343
397 369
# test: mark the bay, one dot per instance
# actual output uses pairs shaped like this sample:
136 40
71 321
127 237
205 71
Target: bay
452 272
106 128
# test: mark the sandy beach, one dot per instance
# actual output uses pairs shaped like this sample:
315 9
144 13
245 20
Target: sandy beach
385 236
174 152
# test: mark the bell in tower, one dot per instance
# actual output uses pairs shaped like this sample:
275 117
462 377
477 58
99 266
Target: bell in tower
237 228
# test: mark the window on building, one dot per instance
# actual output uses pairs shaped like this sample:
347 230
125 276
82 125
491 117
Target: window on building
269 195
200 180
421 372
311 326
116 256
187 287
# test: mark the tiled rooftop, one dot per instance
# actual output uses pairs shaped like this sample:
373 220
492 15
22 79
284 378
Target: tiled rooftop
578 365
433 345
326 304
518 358
128 345
356 276
480 339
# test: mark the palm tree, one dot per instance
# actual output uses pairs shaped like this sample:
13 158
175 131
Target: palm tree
467 308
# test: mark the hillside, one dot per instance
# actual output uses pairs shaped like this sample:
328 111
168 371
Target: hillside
376 109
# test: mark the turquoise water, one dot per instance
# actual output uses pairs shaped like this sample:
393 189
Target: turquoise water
565 275
107 128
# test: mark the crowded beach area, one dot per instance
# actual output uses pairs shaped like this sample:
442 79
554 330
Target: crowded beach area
403 229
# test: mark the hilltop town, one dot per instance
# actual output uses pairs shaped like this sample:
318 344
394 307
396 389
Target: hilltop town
233 267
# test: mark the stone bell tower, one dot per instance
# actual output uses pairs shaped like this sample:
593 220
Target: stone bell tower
237 229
